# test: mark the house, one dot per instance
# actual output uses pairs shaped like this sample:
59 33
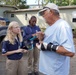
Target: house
3 19
23 15
6 7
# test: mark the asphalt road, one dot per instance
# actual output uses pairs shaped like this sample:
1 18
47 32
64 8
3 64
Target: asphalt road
3 71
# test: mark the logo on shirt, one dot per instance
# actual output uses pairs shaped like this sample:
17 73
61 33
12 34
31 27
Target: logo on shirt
3 50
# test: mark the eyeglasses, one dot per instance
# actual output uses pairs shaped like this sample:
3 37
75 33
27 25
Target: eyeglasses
46 8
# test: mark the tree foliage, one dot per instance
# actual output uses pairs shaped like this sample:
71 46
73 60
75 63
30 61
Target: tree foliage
18 3
61 2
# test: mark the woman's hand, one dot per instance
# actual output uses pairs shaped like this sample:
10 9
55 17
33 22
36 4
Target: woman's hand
25 51
34 34
20 50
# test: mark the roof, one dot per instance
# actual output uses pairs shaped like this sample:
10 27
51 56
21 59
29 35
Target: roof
37 9
67 7
21 10
9 6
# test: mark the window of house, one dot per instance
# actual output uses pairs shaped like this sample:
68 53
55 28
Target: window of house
74 20
74 16
12 15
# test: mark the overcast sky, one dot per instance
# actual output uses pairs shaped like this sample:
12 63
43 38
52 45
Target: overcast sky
30 2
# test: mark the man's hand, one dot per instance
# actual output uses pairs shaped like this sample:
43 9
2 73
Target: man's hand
40 35
38 45
42 46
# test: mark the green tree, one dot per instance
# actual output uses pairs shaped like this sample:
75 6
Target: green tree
17 3
74 2
61 2
22 4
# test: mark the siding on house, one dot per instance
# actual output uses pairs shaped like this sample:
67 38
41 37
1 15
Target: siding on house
23 15
6 7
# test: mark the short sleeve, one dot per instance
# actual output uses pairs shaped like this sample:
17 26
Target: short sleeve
66 38
4 47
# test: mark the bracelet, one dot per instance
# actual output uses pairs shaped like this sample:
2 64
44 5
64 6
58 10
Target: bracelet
42 47
54 48
57 47
49 46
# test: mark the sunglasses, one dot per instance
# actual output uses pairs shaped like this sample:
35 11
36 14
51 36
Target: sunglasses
44 9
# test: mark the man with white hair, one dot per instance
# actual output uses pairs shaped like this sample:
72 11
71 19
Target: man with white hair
56 45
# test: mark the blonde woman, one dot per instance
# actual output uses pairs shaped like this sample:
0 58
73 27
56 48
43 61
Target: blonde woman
12 47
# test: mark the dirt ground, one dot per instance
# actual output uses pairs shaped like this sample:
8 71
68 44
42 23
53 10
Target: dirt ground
72 63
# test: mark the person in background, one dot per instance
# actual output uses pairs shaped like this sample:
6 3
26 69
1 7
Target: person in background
33 54
13 47
56 43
